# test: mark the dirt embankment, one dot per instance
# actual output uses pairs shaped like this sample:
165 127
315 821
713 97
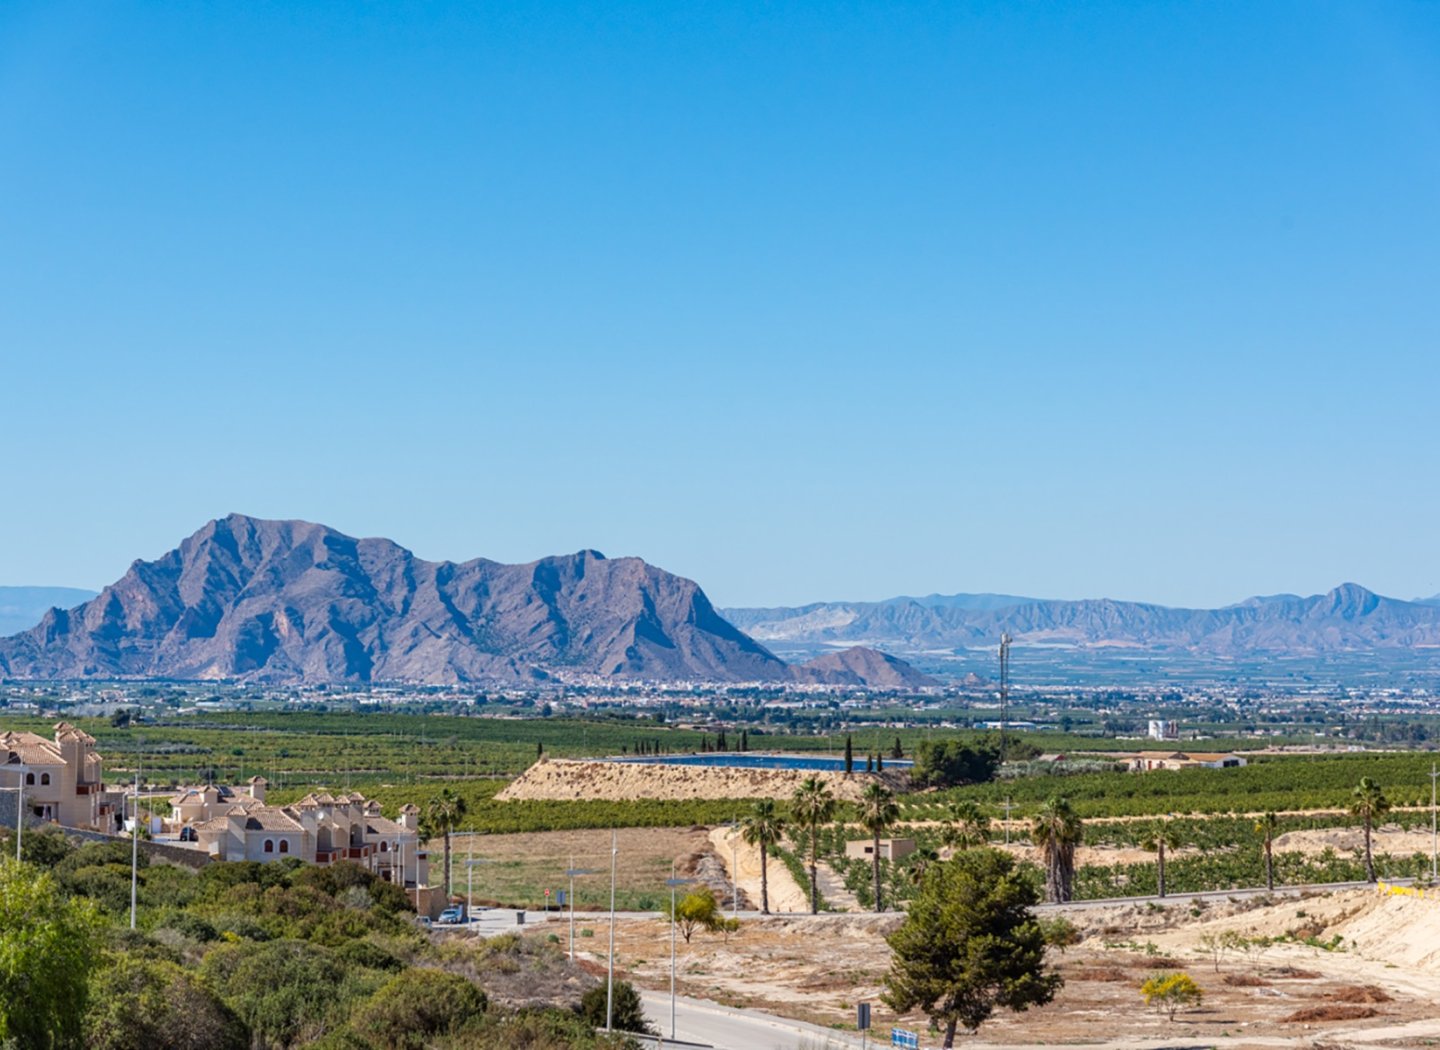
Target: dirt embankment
573 780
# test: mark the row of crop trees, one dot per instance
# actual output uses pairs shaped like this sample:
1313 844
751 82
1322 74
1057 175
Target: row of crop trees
1219 861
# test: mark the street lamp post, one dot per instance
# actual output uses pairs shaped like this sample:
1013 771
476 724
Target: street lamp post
572 873
470 889
735 870
1433 829
674 884
135 847
20 770
610 965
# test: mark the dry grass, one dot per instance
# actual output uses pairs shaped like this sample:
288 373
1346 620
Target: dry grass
1098 973
1331 1013
1360 993
519 868
1245 980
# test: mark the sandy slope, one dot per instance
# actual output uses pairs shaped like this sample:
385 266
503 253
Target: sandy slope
570 779
785 894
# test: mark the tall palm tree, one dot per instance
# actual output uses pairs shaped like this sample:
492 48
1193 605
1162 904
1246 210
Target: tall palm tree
1368 802
764 827
966 825
1057 831
1267 825
1162 837
879 812
813 805
443 814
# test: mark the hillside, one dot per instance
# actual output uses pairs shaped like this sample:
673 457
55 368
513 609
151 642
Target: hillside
862 666
293 601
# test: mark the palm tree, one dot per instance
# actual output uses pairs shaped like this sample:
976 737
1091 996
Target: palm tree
1267 826
764 827
967 825
1057 831
442 814
1161 838
923 858
878 814
813 805
1368 802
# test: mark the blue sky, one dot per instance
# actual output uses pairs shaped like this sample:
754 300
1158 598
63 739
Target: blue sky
802 301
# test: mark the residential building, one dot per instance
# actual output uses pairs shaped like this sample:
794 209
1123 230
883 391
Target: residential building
230 824
61 779
1145 761
890 849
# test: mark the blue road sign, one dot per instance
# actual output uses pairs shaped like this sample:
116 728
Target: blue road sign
899 1037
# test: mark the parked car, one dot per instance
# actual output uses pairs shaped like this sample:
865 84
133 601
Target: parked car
451 916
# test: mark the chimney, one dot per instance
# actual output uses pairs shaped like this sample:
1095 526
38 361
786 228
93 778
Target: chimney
409 816
257 788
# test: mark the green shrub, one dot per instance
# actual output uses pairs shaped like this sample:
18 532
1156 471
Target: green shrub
140 1004
416 1006
628 1010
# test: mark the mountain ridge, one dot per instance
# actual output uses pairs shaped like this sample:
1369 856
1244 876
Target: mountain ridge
1346 618
293 601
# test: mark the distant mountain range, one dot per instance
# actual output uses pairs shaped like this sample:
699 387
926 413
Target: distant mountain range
286 601
22 607
1348 618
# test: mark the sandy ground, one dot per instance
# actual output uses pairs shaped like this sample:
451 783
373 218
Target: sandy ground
785 893
571 779
817 969
1389 839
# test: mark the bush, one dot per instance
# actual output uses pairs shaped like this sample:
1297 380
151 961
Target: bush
286 992
1171 992
416 1006
629 1011
140 1004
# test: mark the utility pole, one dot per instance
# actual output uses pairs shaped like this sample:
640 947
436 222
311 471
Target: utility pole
610 965
135 846
1004 689
1007 820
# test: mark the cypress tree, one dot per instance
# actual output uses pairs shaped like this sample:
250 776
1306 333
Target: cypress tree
849 755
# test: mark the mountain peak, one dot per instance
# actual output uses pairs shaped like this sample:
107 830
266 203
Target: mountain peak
251 598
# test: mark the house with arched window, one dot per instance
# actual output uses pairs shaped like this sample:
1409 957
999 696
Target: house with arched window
61 778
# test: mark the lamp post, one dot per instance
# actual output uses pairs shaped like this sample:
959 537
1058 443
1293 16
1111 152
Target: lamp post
674 884
470 889
572 873
135 847
20 770
735 869
1433 830
610 965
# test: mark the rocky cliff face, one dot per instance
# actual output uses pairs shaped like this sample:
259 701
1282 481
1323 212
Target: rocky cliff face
293 601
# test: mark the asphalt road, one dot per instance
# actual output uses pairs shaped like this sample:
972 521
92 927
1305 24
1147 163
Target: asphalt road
699 1023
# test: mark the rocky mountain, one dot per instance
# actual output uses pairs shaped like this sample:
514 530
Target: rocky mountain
22 607
1348 618
247 598
862 666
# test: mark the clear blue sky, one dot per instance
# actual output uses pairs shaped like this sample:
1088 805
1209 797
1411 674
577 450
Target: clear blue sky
803 301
